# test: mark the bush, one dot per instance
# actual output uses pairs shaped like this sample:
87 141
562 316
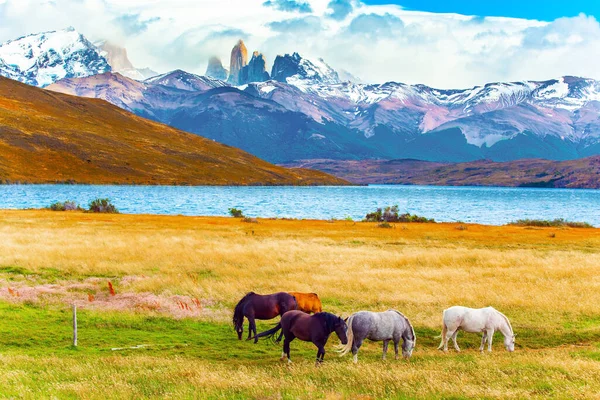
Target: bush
544 223
250 220
384 225
390 214
234 212
65 206
103 206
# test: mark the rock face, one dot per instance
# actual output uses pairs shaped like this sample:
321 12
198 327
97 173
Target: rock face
239 59
289 69
216 70
255 71
119 61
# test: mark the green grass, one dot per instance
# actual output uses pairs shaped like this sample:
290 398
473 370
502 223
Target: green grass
558 223
35 345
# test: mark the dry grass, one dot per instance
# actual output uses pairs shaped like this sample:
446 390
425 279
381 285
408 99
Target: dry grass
548 286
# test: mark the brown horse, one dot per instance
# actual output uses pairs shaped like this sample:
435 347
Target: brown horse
309 328
308 302
256 306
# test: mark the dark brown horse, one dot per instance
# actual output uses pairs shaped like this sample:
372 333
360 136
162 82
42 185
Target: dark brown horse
256 306
314 328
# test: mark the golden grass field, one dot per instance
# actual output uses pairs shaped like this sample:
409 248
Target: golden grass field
546 280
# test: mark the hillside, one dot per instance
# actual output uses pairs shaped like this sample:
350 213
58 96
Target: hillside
582 173
48 137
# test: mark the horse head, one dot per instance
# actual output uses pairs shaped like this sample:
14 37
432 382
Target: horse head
408 346
509 342
340 329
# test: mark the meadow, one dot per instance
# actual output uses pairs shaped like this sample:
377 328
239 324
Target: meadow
166 331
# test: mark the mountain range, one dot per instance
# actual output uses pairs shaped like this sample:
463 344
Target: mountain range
303 110
48 137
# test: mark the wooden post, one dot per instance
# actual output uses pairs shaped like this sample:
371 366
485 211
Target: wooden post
74 325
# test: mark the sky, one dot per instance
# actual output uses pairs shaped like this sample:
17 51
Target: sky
444 44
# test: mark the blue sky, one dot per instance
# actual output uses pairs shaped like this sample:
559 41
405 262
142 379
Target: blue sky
545 10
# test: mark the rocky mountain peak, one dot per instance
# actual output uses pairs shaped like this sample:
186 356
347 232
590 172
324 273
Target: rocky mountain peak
216 70
239 59
256 70
42 59
294 68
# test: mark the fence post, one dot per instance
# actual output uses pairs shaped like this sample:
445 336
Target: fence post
74 325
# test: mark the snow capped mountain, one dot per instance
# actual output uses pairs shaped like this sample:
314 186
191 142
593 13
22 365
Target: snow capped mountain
301 72
556 119
185 81
42 59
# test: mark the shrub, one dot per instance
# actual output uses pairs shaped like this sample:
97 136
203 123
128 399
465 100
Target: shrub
103 206
390 214
65 206
250 220
234 212
559 222
384 225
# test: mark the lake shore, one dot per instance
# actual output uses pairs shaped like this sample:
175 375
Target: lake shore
176 280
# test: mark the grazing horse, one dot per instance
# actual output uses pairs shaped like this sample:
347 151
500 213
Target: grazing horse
486 320
256 306
379 326
314 328
308 302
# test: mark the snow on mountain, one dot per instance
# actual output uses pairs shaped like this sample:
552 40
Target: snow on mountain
186 81
303 73
42 59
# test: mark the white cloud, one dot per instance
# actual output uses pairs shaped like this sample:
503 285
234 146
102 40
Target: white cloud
377 43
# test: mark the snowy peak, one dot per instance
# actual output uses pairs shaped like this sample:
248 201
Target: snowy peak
298 71
186 81
42 59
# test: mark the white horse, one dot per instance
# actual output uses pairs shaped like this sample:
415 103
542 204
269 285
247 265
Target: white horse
486 320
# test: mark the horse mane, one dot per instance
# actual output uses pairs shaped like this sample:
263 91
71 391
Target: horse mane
414 337
330 319
507 321
238 314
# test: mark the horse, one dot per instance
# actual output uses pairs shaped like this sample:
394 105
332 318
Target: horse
256 306
379 326
308 302
314 328
486 320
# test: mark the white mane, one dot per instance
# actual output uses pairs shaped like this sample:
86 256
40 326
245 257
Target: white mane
507 321
409 324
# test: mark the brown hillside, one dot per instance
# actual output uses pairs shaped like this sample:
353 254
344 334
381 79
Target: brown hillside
48 137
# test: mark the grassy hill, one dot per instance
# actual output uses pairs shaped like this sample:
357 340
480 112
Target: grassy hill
47 137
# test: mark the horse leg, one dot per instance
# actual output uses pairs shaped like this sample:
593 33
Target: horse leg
483 339
320 355
356 343
396 342
454 340
446 339
252 328
490 336
385 348
286 349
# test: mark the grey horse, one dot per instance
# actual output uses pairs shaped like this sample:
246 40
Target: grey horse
382 326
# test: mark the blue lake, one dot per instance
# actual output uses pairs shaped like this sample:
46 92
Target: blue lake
469 204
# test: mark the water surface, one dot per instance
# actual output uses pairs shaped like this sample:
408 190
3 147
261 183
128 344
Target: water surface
484 205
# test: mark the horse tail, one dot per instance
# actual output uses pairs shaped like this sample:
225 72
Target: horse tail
444 331
238 312
268 334
345 348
